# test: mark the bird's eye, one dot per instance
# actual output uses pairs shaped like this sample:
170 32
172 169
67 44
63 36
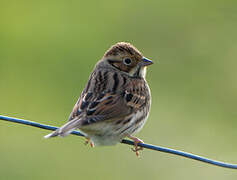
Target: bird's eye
127 61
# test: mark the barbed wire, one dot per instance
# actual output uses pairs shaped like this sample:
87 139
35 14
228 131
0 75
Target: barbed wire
125 141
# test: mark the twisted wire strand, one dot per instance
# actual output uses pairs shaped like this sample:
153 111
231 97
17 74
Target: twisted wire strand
125 141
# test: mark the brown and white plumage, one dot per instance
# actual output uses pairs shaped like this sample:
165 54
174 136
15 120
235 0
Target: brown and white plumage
116 100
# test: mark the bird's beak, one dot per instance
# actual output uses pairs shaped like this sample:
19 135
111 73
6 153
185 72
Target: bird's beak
146 62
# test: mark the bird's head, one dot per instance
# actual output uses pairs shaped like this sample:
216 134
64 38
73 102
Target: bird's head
126 58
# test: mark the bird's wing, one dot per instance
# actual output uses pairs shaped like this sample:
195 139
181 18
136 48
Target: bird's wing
92 108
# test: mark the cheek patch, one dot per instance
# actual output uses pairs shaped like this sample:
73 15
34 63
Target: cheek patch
133 71
121 66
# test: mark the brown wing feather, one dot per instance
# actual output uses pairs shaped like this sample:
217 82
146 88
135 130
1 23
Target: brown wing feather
111 104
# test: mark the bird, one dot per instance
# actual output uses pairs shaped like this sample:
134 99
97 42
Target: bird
115 102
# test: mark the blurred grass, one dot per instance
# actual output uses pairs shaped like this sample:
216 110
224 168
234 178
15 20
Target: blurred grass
49 48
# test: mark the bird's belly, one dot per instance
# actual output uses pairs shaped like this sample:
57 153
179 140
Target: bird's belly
111 133
105 140
101 133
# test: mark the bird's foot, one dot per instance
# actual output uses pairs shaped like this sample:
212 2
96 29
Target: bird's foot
136 148
88 140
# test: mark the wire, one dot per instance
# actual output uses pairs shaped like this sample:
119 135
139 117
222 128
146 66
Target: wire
124 141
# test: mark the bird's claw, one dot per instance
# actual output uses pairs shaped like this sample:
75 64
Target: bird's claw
136 148
88 140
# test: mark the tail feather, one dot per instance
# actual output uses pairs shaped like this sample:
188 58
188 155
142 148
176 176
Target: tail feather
65 129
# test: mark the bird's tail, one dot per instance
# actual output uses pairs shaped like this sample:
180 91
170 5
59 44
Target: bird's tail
65 129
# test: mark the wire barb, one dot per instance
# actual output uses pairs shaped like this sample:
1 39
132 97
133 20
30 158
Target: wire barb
125 141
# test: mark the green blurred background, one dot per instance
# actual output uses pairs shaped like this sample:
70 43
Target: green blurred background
49 48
